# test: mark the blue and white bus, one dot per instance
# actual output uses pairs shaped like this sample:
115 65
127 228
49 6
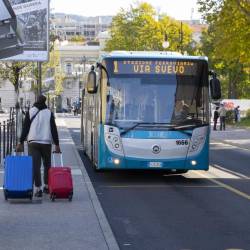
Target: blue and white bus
148 110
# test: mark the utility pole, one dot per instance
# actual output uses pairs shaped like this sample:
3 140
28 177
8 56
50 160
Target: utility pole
39 79
181 39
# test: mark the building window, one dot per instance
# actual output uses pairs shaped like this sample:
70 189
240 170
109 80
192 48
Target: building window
68 85
68 68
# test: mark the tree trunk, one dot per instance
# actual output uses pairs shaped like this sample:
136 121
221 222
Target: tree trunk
16 85
229 85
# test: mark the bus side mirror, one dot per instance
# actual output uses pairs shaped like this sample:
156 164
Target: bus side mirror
215 88
91 83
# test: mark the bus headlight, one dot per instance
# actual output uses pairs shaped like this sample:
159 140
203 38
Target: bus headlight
116 161
195 143
193 163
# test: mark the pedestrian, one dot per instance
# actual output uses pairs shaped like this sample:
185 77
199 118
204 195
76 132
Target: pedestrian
74 109
222 113
237 114
216 116
40 130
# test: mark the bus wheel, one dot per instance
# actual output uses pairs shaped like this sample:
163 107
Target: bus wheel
97 170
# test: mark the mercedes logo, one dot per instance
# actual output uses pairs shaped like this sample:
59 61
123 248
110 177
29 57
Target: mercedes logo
156 149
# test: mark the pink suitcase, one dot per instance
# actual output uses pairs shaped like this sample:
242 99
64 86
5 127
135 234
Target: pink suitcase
60 181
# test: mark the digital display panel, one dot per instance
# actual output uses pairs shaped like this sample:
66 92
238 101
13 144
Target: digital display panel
157 67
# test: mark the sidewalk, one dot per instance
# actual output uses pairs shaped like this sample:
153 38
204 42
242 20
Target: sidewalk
80 224
239 137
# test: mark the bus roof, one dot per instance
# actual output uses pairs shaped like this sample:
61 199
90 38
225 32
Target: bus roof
151 54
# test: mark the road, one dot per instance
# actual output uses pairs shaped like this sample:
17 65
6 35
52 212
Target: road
198 210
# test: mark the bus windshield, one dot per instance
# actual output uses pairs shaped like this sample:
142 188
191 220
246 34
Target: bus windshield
158 99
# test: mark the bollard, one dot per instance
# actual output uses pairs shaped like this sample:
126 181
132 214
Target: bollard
16 126
11 135
8 138
0 143
14 134
10 113
4 138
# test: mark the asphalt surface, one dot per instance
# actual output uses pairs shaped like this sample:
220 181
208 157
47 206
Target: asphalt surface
198 210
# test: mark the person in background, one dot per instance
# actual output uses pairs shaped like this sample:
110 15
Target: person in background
216 116
237 114
74 109
40 129
222 112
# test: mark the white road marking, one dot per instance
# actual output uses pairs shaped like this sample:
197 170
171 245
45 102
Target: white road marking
126 244
161 186
221 174
231 189
213 173
232 172
227 145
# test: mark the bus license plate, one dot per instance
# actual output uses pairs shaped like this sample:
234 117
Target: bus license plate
155 164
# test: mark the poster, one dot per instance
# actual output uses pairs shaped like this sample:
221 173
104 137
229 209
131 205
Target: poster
24 30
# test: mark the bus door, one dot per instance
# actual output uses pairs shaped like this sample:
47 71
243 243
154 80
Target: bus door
95 126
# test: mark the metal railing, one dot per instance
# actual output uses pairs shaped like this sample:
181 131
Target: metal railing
9 133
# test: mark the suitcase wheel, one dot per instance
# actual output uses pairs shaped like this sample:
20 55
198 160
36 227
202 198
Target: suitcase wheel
5 195
52 197
70 196
31 196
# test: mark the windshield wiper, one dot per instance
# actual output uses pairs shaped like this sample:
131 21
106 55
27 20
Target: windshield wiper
143 123
172 127
181 128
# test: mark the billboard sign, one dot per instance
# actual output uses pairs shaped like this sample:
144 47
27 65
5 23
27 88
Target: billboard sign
24 30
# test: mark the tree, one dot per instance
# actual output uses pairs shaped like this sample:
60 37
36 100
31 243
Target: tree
53 67
138 29
227 42
13 71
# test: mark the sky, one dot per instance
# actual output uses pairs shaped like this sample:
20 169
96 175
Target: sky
179 9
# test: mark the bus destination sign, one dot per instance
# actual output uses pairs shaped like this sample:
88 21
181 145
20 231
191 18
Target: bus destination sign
159 67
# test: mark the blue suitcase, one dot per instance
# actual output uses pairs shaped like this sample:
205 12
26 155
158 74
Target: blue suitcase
18 177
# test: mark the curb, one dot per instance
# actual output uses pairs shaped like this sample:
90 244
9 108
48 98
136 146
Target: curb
103 222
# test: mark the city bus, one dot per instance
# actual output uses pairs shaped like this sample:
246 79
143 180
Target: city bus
148 110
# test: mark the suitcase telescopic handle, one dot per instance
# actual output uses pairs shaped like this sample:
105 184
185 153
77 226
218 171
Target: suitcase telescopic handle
53 157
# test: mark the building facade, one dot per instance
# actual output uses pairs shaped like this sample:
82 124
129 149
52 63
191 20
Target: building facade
67 26
76 62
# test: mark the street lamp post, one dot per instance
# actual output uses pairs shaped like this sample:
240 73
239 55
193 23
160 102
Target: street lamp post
80 70
165 43
84 59
84 62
